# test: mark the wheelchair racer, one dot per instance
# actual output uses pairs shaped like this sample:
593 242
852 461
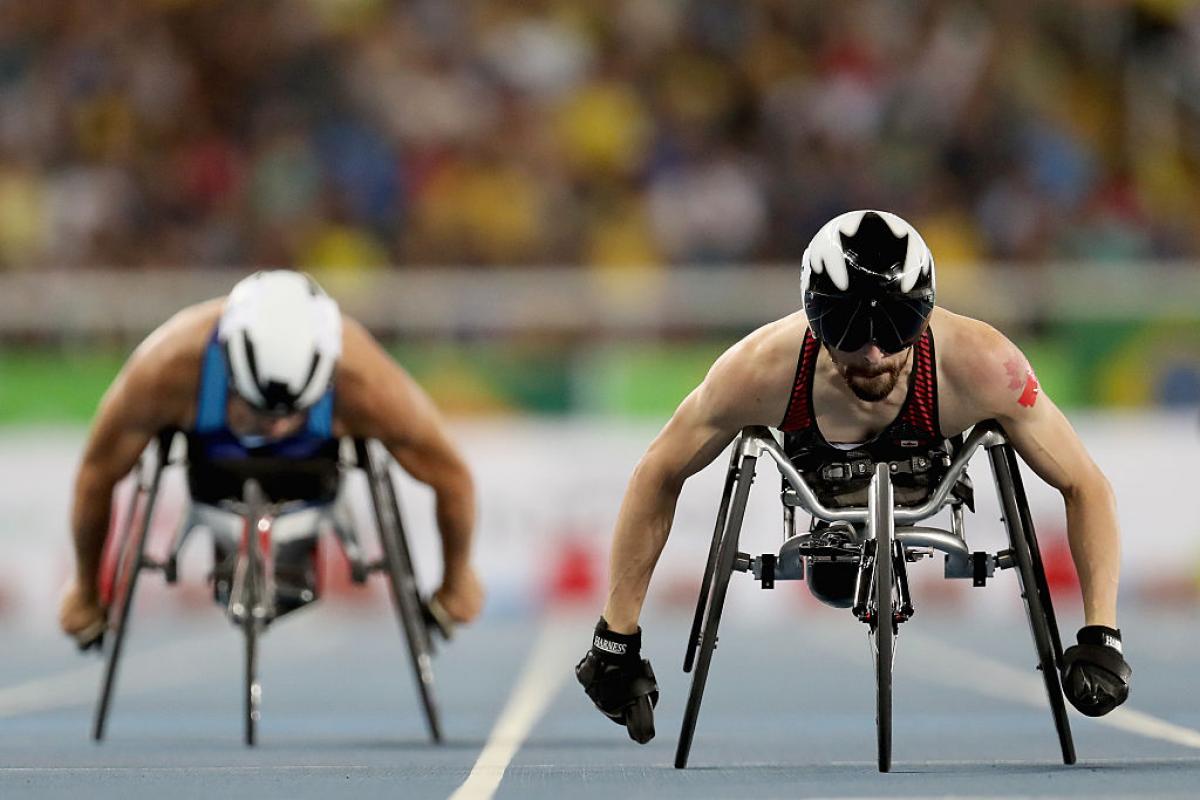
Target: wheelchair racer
273 371
854 375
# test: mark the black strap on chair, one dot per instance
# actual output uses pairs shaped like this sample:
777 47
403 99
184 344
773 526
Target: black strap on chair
311 480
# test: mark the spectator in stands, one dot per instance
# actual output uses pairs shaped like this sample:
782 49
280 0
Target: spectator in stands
634 133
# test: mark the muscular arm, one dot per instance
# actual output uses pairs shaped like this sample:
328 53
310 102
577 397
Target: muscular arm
154 390
377 398
746 386
694 436
1047 442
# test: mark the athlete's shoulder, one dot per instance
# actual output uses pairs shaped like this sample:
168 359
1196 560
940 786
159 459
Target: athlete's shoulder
753 379
166 366
780 339
362 355
955 333
181 338
979 361
371 386
764 352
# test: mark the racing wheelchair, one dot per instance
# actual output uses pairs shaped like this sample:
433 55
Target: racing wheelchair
258 575
874 544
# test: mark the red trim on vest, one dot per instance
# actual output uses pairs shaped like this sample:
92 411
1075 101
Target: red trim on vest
921 411
799 414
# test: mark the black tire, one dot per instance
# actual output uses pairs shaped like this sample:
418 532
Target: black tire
1032 579
710 565
722 570
255 583
129 566
639 720
401 557
402 582
1035 553
253 688
882 588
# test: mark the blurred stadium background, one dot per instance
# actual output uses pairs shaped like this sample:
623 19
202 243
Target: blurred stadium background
556 213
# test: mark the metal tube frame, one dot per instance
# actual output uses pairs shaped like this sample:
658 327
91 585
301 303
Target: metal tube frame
757 439
251 600
865 523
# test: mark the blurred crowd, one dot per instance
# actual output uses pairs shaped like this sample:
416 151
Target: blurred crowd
360 134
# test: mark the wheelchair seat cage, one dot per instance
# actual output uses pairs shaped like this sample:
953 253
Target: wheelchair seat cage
250 602
876 542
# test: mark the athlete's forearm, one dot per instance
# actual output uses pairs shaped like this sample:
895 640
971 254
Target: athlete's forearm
643 526
89 526
1095 548
456 523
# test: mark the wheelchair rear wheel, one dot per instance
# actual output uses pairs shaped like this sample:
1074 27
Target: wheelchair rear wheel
129 564
722 570
710 566
402 582
1034 589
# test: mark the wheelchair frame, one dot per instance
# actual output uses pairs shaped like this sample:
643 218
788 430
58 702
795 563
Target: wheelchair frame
250 601
887 538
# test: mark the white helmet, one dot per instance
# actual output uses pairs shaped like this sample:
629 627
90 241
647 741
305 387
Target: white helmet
868 276
282 336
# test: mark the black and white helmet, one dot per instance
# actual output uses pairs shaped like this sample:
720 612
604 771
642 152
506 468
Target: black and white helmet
868 277
282 336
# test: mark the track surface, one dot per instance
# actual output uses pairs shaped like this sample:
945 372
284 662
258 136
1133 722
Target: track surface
789 713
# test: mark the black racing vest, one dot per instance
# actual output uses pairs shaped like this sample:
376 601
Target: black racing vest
912 443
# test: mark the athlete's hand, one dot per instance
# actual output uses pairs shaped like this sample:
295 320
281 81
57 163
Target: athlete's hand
1095 674
619 681
81 616
460 597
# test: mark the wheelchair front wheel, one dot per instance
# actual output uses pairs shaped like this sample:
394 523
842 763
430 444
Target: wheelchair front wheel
884 618
252 597
253 687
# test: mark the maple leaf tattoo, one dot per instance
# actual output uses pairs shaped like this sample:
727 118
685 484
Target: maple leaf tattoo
1013 367
1020 376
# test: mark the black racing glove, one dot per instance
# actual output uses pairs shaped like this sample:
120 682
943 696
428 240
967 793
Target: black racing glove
1095 674
619 681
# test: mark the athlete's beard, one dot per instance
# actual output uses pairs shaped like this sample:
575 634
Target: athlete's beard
872 384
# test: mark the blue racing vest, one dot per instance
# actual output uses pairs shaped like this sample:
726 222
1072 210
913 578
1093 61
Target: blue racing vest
219 460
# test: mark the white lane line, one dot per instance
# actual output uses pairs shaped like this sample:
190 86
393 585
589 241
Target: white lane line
164 666
1143 724
547 667
958 667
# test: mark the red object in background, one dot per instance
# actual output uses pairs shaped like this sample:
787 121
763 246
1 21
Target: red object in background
209 171
1060 569
574 574
334 580
112 547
